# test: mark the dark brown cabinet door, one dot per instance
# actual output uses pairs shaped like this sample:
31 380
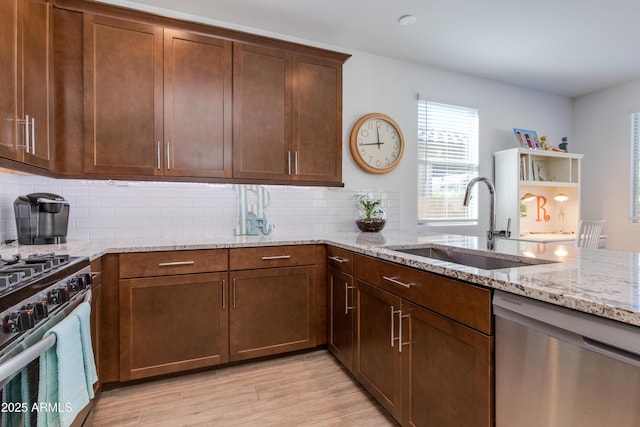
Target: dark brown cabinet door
317 119
341 317
35 58
172 323
8 81
197 105
447 372
25 101
378 360
272 311
123 97
262 113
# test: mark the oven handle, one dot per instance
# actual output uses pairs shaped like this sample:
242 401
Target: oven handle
15 364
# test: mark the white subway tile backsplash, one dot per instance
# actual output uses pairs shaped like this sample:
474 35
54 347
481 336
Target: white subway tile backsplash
110 209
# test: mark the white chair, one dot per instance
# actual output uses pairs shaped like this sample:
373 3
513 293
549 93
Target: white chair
589 234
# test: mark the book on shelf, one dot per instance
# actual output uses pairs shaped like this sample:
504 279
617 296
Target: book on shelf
524 170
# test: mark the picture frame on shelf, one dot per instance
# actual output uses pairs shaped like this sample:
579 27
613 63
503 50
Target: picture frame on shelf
527 139
538 170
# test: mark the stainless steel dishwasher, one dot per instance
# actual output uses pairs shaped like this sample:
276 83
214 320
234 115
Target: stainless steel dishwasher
560 367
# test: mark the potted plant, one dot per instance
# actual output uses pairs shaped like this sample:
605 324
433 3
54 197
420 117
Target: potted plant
371 216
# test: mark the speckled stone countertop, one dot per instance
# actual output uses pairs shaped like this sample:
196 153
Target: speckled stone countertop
601 282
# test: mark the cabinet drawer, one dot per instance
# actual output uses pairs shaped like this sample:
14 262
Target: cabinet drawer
271 256
340 259
148 264
465 303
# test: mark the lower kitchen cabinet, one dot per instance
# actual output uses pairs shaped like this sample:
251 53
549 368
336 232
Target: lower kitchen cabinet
171 324
423 368
447 380
341 317
379 358
275 293
173 312
272 312
183 310
421 344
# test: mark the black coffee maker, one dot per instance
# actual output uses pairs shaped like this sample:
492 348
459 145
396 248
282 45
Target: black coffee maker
41 218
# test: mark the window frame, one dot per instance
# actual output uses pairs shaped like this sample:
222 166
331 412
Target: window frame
454 119
634 196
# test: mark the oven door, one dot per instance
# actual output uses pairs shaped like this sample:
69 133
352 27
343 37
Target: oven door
26 385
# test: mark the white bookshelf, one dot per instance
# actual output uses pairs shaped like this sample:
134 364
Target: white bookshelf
544 174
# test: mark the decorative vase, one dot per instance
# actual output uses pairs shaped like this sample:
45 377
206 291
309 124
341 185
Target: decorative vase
371 221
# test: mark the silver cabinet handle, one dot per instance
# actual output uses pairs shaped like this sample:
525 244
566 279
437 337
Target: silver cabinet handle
346 298
397 282
159 165
296 161
33 135
400 335
288 162
267 258
168 155
174 263
393 325
234 292
27 134
224 299
338 259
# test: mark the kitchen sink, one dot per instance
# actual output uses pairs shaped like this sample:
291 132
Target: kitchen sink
481 260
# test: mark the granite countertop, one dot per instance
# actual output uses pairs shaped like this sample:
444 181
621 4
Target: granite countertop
601 282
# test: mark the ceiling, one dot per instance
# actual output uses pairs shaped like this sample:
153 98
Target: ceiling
566 47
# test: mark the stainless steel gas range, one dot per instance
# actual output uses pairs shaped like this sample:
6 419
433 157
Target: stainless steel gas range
37 292
35 287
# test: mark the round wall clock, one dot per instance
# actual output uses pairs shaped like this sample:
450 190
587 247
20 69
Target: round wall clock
376 143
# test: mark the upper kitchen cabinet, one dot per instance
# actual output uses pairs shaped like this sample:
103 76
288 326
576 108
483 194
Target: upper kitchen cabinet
140 96
122 97
261 113
197 105
287 116
157 101
25 101
317 119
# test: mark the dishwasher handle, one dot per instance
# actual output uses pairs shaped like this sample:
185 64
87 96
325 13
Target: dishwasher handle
604 336
611 351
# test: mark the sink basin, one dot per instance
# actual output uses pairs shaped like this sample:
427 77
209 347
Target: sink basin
479 260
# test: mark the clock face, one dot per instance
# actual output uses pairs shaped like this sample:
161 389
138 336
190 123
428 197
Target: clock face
377 143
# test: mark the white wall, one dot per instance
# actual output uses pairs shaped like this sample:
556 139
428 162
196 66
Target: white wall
602 129
374 83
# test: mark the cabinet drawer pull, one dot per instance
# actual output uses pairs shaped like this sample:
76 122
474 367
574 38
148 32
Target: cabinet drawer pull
267 258
338 259
158 155
174 263
397 282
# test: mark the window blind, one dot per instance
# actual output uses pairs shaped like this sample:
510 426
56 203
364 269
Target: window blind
635 168
447 161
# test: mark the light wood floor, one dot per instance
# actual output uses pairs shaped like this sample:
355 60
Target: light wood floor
309 389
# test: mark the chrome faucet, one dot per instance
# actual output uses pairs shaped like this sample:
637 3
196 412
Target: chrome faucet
492 233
